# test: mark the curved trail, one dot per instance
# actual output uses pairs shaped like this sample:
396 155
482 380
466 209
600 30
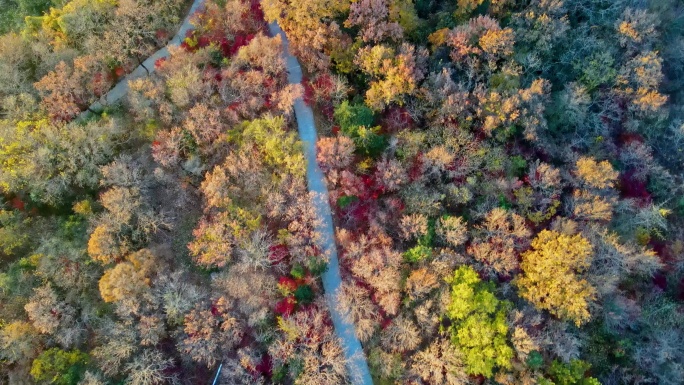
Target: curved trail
146 68
357 365
356 358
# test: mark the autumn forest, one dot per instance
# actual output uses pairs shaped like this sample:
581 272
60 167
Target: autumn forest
331 192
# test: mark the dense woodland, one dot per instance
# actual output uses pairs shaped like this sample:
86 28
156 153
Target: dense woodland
505 178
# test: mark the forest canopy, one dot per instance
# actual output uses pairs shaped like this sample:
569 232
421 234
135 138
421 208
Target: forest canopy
504 178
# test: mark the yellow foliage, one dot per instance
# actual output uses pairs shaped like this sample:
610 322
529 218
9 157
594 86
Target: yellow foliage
103 245
498 42
596 174
551 275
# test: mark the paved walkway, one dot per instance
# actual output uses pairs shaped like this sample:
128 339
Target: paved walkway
147 67
358 367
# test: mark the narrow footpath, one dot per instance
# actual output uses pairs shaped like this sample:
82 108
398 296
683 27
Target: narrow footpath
357 365
356 358
146 68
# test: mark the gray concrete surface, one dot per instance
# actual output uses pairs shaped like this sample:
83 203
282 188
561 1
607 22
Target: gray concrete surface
147 67
356 359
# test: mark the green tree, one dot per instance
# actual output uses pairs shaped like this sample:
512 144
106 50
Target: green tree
351 116
479 323
572 373
59 367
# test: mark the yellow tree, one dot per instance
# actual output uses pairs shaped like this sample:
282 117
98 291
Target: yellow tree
552 278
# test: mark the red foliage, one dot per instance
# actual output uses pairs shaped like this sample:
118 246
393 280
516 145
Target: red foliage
396 118
416 169
328 111
203 41
680 290
630 187
336 130
308 91
214 311
286 306
255 10
278 253
265 367
660 280
159 62
17 204
240 41
162 34
288 284
119 72
628 137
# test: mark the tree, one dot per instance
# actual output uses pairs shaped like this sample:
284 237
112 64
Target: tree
413 227
503 235
379 266
104 244
280 149
51 161
439 363
355 303
46 311
572 373
19 342
479 327
309 336
205 126
401 335
150 368
540 200
210 331
334 153
349 116
598 175
372 16
59 367
395 73
213 242
552 277
452 230
264 53
128 282
420 283
310 27
237 181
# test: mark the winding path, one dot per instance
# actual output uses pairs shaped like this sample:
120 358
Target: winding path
146 68
356 359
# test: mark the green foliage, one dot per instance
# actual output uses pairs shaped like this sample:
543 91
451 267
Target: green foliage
13 231
479 323
297 271
535 360
59 367
280 149
344 201
35 7
597 70
351 116
417 254
304 294
517 166
317 266
368 141
571 373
